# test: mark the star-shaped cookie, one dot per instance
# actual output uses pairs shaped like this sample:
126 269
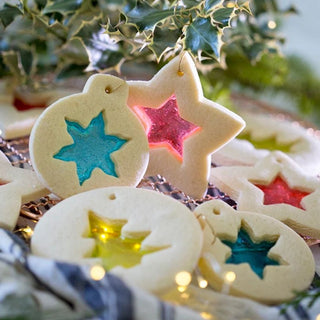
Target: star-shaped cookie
252 255
17 186
264 133
184 127
276 186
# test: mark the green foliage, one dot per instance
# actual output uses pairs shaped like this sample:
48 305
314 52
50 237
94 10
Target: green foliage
40 37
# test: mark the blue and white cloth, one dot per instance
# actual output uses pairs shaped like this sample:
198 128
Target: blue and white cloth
34 288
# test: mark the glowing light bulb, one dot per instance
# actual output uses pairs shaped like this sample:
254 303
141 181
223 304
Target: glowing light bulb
28 231
183 278
203 283
206 315
97 272
272 24
318 317
229 277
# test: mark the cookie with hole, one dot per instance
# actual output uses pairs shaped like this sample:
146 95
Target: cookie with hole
251 255
89 140
142 236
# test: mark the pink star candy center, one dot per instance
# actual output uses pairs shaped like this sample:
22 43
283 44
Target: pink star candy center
278 191
165 127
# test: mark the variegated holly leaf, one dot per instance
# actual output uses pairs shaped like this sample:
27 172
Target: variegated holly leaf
63 7
202 36
145 16
222 16
8 13
164 39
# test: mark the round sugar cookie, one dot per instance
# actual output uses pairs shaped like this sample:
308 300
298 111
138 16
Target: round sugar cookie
142 236
252 255
89 140
264 134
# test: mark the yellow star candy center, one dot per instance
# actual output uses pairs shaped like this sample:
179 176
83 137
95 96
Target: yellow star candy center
268 143
112 247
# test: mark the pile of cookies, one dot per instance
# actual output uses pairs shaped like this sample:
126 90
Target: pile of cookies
91 149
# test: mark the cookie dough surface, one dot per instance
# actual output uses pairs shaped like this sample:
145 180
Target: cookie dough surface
176 92
276 186
16 123
270 263
171 235
264 134
17 186
89 140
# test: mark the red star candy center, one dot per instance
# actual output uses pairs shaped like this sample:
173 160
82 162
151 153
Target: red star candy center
278 191
165 127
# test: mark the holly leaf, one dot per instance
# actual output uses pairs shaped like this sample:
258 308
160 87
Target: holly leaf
210 4
102 51
222 16
63 7
8 13
71 70
74 51
146 17
26 58
11 60
164 39
202 36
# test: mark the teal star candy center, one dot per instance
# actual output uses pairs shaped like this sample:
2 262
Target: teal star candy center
244 250
91 148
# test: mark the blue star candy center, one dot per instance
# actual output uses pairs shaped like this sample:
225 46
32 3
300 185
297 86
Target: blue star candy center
91 148
244 250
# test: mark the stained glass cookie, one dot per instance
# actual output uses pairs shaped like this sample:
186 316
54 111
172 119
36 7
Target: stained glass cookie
89 140
17 117
264 134
183 127
252 255
17 186
276 186
140 235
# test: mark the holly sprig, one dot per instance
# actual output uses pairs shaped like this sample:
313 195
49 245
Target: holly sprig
49 40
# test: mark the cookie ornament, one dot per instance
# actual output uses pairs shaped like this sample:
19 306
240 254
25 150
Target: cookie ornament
253 255
18 115
182 126
276 186
142 236
264 134
89 140
17 186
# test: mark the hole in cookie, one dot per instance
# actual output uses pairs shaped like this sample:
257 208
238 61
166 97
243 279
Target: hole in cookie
3 182
216 211
112 196
108 89
112 246
278 191
247 250
165 127
270 144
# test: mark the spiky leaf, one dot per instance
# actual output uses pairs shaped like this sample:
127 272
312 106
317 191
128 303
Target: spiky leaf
210 4
75 51
11 60
102 51
202 36
147 17
63 7
8 13
163 40
223 16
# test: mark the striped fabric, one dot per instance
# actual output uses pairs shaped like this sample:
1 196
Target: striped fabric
32 287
